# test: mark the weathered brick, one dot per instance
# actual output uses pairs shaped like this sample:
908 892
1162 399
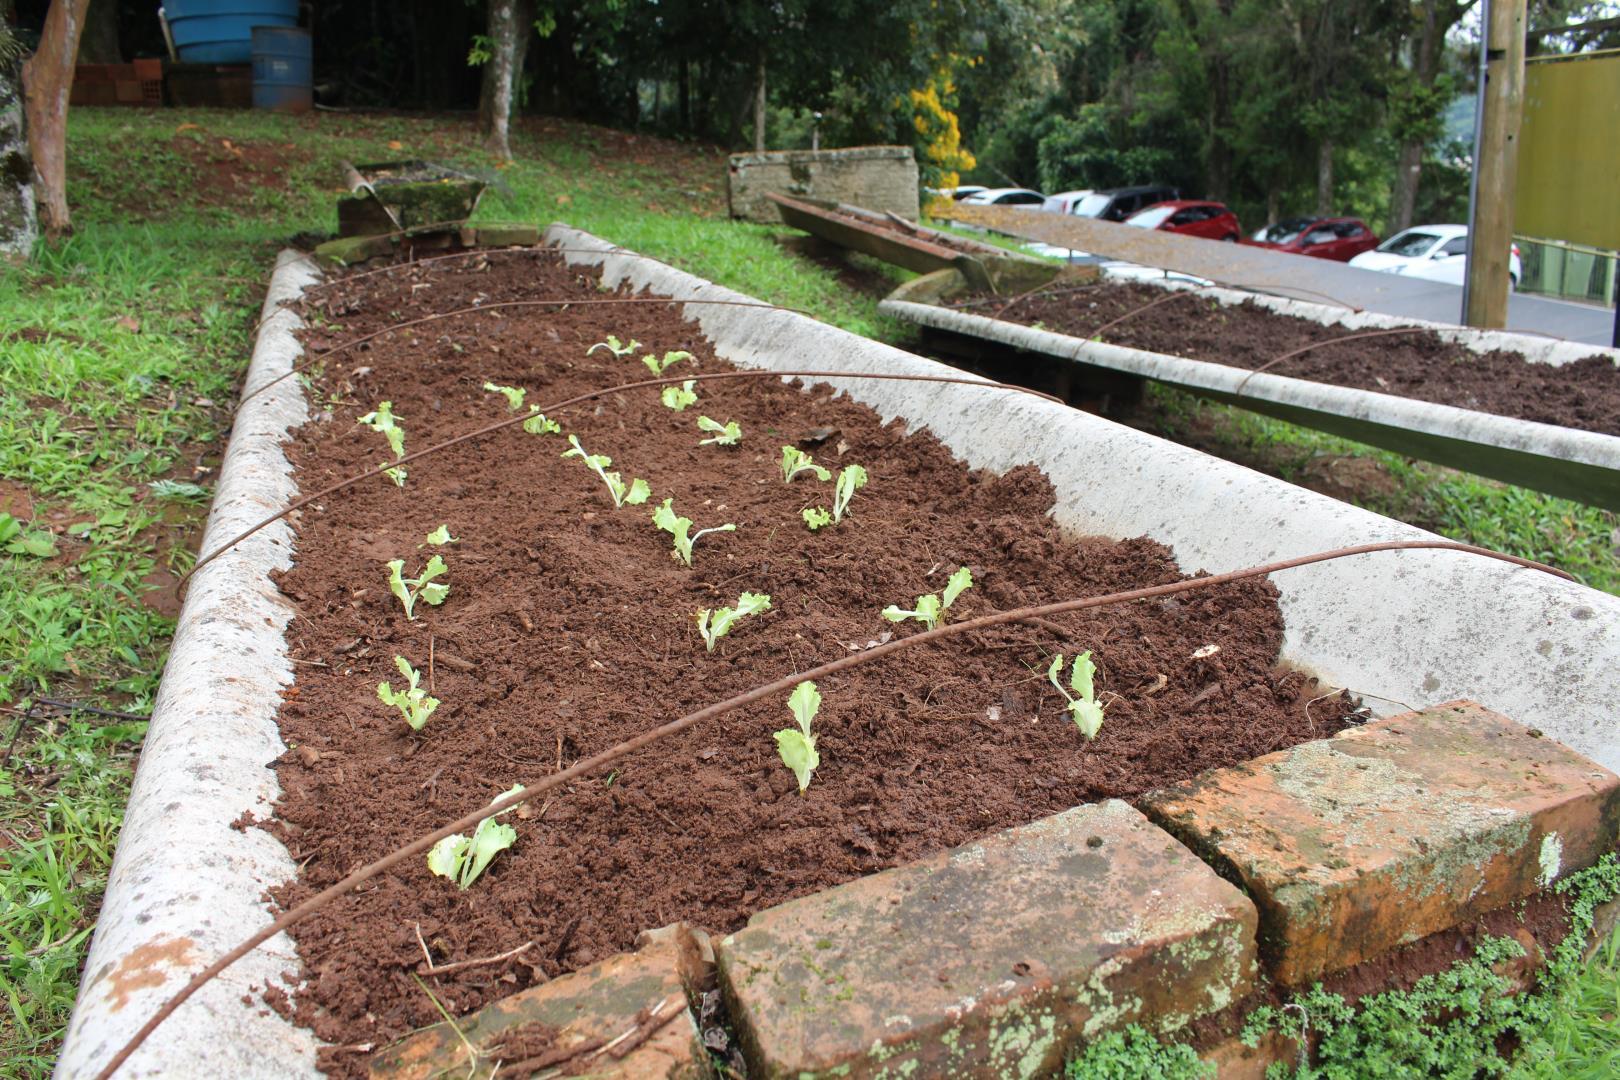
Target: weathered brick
880 178
354 249
1387 832
585 1011
993 959
508 235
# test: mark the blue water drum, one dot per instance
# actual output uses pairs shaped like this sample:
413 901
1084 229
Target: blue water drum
283 69
221 31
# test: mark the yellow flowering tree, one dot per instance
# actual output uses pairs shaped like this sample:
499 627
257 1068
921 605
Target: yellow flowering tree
941 157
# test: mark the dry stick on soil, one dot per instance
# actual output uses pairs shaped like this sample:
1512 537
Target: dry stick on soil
1330 341
607 757
567 402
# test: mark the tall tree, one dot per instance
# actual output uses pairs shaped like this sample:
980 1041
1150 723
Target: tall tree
19 224
47 79
507 47
1419 98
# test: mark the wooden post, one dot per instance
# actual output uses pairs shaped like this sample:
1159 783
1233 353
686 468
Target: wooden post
1501 101
759 104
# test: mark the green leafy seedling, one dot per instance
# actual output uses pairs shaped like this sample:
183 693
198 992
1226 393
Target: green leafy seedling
39 543
441 536
796 461
931 609
850 479
797 746
1084 707
816 517
658 367
462 860
383 421
727 434
413 702
512 394
422 587
679 397
396 473
681 529
537 424
716 628
614 346
635 494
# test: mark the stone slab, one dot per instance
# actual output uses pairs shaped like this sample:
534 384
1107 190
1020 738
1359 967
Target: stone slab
632 1001
1353 845
996 958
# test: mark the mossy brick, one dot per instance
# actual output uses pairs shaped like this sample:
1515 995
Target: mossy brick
995 959
349 250
587 1010
1387 832
508 235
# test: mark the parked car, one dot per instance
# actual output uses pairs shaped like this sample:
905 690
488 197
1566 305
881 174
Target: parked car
1006 196
1190 217
1063 202
1117 204
1431 252
1339 239
963 191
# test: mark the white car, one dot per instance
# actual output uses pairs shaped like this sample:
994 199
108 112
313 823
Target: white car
1005 196
1431 252
1064 201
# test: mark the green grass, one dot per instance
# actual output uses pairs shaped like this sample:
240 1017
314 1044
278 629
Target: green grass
119 351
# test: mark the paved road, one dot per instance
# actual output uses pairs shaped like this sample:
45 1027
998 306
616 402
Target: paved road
1241 266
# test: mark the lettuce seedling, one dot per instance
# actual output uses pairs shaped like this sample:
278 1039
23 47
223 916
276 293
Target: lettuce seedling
462 860
413 703
727 434
635 494
680 527
513 395
658 367
441 536
383 421
930 609
797 746
537 424
423 587
816 517
747 604
1084 707
613 345
796 461
679 397
396 473
850 479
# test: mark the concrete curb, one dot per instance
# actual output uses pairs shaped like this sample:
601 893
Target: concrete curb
1411 628
185 886
1581 465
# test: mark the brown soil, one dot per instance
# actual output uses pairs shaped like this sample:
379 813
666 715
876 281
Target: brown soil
1584 394
569 628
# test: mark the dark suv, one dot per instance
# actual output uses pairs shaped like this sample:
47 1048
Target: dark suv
1117 204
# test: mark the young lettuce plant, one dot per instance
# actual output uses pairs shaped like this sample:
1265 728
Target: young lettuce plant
462 860
422 587
727 434
383 421
614 346
713 630
796 461
537 424
930 609
635 494
513 395
1084 707
413 702
797 746
679 397
851 478
441 536
681 529
658 367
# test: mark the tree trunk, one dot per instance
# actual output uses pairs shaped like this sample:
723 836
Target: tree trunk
19 224
685 91
1403 196
759 104
100 42
509 44
1324 176
47 79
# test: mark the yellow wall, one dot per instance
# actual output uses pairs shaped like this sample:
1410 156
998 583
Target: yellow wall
1568 184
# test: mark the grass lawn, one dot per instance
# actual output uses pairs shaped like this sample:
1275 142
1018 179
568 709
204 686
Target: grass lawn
119 353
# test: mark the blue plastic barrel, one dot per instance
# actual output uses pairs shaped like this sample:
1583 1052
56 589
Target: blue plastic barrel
221 31
283 69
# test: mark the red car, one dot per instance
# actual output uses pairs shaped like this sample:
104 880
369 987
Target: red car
1190 218
1340 239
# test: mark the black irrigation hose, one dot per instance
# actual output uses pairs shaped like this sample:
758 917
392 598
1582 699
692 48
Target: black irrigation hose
594 763
577 399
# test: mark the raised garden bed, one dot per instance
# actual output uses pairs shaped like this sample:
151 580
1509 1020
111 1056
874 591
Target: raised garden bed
506 653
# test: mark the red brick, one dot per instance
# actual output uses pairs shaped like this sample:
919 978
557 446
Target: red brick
584 1009
1387 832
994 959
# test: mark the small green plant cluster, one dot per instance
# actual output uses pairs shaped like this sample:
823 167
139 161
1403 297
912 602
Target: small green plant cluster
1084 708
679 397
413 702
462 859
851 478
514 395
723 620
615 346
796 461
931 608
726 434
1134 1054
633 494
421 587
383 421
680 528
797 745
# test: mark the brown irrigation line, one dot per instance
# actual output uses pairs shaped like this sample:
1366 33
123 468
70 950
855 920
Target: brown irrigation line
607 757
1275 360
577 399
